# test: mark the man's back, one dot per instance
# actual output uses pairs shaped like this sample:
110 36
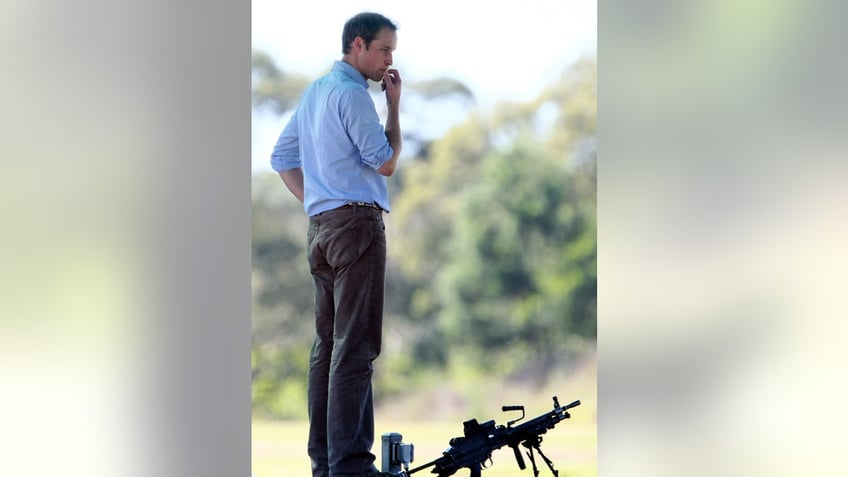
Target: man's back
336 137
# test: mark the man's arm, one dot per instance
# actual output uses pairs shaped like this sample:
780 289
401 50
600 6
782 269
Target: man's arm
293 179
285 159
392 84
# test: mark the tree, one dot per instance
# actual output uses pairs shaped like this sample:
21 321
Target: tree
517 283
272 87
492 247
282 300
499 229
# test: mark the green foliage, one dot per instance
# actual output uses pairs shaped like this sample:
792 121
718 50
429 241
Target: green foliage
273 87
516 272
492 253
282 302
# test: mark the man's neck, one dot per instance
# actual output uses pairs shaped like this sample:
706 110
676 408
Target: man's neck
349 60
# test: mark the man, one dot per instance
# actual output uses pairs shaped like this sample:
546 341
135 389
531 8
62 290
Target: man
334 156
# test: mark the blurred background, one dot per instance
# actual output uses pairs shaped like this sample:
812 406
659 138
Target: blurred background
722 238
491 283
127 254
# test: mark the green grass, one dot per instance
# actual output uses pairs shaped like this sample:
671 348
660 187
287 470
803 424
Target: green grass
279 448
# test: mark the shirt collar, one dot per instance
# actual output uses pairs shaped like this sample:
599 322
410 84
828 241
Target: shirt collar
349 70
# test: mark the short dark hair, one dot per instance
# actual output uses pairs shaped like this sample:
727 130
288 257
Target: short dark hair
365 25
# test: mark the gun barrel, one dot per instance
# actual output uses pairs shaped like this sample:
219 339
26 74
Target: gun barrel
574 404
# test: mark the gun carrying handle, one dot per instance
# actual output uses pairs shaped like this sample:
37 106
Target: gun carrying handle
513 408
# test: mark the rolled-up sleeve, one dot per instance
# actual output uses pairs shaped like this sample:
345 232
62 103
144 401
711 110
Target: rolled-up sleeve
286 154
364 129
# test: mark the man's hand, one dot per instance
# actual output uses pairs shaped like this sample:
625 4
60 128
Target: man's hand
392 86
293 179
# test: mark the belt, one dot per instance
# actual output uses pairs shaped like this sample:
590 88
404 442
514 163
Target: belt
353 204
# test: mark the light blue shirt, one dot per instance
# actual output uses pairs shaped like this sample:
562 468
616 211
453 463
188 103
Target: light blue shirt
336 138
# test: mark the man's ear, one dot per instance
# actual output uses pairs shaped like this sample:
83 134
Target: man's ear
358 44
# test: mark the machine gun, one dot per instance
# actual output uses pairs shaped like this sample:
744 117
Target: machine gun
475 447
